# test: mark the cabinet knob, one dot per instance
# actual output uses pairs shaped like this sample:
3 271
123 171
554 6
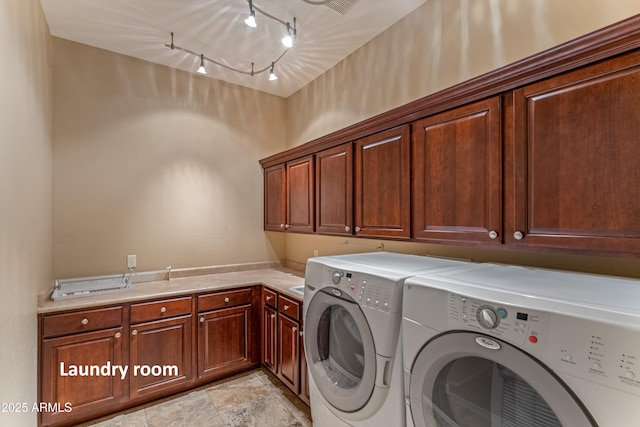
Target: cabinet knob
301 333
268 297
294 329
493 234
226 299
118 335
134 332
281 225
347 229
286 226
202 320
163 310
286 307
273 316
518 235
84 321
357 229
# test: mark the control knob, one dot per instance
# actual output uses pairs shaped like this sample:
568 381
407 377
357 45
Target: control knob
336 277
487 317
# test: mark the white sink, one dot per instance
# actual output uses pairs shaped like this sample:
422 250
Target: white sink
297 289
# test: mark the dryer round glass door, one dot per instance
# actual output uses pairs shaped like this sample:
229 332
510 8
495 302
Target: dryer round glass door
340 350
465 379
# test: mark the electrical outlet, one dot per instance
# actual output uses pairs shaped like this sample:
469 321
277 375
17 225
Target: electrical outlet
315 252
131 261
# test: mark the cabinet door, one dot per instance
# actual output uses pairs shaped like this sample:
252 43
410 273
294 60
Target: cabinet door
457 164
304 372
164 346
334 190
300 195
269 339
224 340
576 160
383 179
275 203
288 352
85 393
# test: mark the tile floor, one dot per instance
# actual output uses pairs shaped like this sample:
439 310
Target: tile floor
255 398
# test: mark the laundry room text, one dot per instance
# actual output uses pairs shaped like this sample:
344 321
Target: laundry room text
113 370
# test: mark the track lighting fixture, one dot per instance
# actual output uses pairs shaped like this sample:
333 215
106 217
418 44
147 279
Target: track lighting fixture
287 41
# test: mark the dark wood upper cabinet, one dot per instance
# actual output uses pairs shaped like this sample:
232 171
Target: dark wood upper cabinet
334 190
457 163
383 184
275 193
300 195
576 160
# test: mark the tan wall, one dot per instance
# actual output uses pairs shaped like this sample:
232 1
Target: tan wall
157 162
440 44
25 196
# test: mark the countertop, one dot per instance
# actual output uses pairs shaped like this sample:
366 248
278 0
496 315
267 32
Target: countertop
279 279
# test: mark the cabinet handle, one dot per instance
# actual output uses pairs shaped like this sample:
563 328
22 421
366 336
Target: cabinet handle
347 229
163 309
518 235
357 229
202 320
294 329
493 234
286 307
84 321
134 332
118 334
226 299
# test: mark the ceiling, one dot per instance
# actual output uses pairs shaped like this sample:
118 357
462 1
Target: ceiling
326 34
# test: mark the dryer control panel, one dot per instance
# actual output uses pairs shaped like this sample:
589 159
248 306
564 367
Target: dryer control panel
367 290
526 328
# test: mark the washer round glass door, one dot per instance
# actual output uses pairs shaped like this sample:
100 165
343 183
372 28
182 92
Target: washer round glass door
465 379
340 351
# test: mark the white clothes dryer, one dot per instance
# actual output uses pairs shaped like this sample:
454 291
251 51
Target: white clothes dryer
495 345
352 317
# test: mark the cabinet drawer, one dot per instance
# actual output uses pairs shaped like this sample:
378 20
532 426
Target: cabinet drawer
224 299
289 307
160 309
269 297
81 321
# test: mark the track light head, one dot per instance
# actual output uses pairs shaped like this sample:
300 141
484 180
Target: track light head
201 69
272 74
251 19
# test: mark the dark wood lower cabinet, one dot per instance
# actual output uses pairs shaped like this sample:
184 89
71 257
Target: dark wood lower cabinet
85 394
224 340
289 352
304 372
269 339
164 347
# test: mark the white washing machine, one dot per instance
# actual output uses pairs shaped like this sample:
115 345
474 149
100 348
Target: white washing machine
352 317
495 345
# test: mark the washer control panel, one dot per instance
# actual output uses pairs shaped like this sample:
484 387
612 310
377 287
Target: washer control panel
601 352
367 290
525 328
